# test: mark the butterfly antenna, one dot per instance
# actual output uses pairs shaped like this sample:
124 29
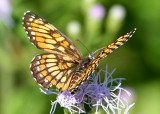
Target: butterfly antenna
98 50
84 46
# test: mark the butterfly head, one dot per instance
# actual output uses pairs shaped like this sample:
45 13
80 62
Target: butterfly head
87 60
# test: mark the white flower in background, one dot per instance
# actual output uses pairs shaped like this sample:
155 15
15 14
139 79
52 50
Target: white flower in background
117 12
74 28
115 18
125 95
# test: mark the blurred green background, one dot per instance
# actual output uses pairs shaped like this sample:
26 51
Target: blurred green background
96 23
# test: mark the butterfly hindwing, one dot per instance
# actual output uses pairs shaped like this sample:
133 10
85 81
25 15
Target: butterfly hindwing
52 69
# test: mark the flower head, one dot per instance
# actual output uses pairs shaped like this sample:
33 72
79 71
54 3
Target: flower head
66 100
74 28
96 93
5 12
118 12
97 11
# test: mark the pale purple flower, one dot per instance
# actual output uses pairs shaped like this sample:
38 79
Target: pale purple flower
103 94
5 12
98 94
71 102
68 101
97 11
126 96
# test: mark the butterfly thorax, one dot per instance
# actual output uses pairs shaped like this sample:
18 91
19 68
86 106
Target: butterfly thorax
81 73
85 63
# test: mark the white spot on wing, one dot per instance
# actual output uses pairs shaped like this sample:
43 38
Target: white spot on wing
30 66
32 73
33 33
33 16
30 19
27 12
38 68
29 28
40 19
24 28
33 38
40 85
32 60
40 75
39 57
28 23
50 85
45 80
35 79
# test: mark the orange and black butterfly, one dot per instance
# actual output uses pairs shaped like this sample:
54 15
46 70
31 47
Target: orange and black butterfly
63 65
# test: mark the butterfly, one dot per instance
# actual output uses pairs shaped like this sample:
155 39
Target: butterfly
63 65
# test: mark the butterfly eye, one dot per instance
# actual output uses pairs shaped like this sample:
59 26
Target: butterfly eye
85 62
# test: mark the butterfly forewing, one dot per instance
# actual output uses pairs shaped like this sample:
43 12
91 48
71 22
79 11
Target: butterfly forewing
114 45
47 37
